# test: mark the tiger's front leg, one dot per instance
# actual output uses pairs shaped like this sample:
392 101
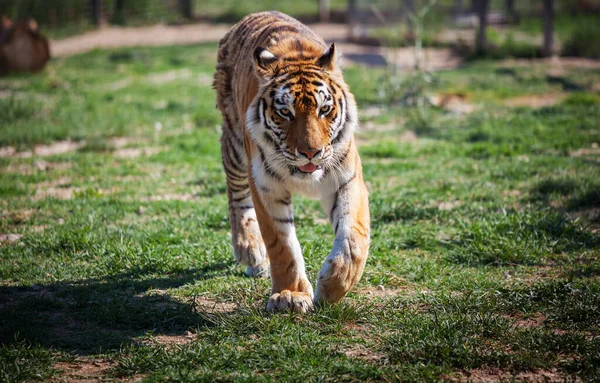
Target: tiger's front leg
348 209
291 289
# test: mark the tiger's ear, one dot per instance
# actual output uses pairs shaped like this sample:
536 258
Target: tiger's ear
264 62
327 61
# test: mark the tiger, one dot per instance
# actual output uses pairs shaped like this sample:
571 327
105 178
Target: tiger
288 128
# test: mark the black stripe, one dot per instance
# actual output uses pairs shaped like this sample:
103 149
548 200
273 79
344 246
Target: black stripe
334 206
263 103
264 189
277 30
271 173
236 188
231 176
241 198
269 139
343 157
245 207
270 245
233 151
342 186
284 220
283 201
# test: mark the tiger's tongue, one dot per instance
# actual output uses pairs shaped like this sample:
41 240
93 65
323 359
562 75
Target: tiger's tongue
308 168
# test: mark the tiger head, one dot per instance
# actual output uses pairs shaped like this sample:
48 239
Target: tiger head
303 112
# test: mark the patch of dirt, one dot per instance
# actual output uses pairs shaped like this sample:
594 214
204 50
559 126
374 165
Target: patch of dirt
531 322
121 142
119 84
592 153
57 193
170 340
362 353
512 193
400 287
408 136
38 165
211 306
432 59
161 35
84 370
535 101
180 74
57 148
370 111
18 217
494 374
555 63
170 197
59 188
135 152
448 205
456 103
7 151
10 238
156 35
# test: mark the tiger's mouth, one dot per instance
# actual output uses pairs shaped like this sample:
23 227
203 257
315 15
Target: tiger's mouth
309 168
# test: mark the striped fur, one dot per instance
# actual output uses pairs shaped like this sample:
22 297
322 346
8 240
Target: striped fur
288 123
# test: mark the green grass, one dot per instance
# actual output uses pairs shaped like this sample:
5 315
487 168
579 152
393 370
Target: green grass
485 232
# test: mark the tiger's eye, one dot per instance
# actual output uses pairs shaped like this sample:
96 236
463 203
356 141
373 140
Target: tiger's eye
324 109
284 111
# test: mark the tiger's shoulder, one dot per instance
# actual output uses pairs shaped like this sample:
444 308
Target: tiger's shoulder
280 33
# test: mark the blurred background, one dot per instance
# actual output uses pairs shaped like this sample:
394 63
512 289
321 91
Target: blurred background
509 29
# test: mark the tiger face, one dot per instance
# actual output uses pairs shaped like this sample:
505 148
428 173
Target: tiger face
300 111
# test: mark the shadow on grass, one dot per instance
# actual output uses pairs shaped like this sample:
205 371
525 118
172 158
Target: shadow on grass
577 194
99 315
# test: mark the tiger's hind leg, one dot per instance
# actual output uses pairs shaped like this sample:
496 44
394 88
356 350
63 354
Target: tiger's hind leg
248 246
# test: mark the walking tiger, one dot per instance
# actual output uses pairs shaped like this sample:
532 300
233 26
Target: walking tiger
288 127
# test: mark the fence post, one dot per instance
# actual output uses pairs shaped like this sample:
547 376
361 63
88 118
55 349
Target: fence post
352 19
481 40
96 12
324 11
185 7
548 28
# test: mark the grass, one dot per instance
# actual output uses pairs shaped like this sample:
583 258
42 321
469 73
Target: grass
485 232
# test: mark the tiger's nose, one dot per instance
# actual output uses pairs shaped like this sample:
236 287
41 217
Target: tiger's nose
310 153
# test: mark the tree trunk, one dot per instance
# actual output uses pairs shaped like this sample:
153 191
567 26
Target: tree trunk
352 20
458 7
96 12
409 10
481 40
185 7
117 16
119 5
548 28
324 11
511 12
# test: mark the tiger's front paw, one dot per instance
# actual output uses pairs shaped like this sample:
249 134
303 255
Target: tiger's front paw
259 271
296 301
